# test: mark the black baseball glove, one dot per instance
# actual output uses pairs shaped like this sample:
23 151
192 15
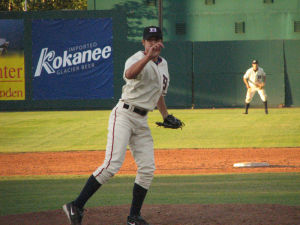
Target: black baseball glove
171 122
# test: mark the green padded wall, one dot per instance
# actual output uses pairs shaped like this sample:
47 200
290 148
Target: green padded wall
220 66
292 55
179 58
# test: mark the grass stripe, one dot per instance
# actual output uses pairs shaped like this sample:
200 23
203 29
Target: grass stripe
205 128
39 193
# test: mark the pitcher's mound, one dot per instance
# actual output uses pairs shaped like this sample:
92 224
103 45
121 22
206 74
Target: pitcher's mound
184 214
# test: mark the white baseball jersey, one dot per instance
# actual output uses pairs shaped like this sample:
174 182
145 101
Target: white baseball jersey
145 90
255 76
127 127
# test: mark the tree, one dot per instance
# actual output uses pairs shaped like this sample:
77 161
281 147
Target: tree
136 12
36 5
4 5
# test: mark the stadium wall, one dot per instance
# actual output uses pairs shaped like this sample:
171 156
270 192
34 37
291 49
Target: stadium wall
204 74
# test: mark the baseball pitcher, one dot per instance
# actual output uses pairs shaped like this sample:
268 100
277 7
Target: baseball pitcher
147 80
255 80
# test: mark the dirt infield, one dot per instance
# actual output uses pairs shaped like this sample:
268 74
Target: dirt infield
184 161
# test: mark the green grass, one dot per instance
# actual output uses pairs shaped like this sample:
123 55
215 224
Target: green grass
205 128
53 131
40 193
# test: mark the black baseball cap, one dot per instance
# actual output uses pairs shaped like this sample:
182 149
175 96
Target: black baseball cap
254 61
152 31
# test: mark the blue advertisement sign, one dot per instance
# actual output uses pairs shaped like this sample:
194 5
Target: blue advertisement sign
72 59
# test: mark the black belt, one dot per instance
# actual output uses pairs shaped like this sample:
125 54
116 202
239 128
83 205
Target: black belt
141 112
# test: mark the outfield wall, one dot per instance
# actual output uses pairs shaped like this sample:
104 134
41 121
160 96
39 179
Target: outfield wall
29 103
219 67
203 74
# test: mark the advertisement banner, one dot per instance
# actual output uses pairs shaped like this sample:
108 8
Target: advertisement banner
12 69
72 59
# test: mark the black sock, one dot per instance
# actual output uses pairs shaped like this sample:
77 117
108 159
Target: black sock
139 194
266 107
91 186
247 107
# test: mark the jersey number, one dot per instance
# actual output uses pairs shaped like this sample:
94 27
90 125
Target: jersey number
165 82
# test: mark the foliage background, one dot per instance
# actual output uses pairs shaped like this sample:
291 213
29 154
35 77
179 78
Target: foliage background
33 5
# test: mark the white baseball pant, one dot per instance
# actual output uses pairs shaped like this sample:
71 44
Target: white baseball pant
251 92
127 127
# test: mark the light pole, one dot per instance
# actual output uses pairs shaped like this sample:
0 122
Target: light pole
25 6
160 14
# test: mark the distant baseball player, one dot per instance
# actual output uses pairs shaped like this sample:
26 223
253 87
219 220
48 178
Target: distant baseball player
255 80
147 80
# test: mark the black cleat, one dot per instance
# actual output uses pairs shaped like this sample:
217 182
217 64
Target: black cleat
73 213
136 220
